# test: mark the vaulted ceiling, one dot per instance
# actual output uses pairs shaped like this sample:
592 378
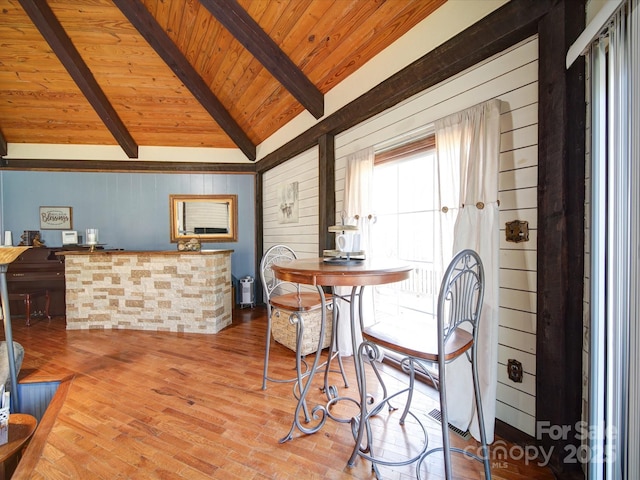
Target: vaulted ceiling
182 73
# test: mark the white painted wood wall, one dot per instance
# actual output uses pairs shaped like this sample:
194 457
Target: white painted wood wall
511 76
303 235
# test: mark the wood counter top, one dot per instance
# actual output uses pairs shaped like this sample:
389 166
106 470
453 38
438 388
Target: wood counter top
143 252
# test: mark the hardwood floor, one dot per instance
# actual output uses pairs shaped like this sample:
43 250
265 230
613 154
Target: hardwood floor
148 405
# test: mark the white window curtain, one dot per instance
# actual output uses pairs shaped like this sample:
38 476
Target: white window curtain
467 155
358 191
468 147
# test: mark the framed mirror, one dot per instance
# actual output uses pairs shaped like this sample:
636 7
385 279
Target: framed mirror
208 218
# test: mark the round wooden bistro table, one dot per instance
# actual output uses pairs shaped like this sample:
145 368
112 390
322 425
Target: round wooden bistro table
321 272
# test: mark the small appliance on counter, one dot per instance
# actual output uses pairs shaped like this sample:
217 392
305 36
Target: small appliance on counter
347 249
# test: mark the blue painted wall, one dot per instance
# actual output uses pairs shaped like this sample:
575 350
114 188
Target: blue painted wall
131 210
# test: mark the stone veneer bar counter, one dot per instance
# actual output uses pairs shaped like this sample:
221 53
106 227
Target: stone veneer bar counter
148 290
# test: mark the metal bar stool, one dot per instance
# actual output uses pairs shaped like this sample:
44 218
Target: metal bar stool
455 334
287 298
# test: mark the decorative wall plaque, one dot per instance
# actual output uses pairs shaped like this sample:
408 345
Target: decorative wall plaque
56 218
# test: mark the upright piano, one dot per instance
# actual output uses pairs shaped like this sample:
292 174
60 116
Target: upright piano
38 268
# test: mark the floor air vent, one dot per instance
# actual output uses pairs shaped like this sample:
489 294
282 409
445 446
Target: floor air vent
436 415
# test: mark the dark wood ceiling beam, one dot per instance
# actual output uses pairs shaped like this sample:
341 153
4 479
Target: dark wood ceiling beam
247 31
154 34
20 164
44 19
3 145
511 23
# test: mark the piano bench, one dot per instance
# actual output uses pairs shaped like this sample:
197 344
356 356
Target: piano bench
27 297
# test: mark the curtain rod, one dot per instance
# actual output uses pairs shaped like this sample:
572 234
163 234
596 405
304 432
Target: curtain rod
581 45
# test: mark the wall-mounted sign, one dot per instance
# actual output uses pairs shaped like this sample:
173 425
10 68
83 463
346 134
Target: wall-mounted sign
56 218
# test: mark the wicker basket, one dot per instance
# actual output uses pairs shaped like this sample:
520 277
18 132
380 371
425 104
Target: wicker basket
284 332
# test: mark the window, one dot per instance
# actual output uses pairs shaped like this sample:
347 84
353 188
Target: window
407 228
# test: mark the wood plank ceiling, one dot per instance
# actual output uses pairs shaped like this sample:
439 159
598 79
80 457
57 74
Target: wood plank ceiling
183 73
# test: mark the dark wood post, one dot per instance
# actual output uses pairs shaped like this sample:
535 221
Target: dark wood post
327 190
561 195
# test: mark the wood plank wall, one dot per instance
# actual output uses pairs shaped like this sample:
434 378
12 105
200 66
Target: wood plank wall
302 235
518 185
512 77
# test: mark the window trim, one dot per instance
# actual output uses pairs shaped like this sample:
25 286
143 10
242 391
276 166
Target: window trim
399 152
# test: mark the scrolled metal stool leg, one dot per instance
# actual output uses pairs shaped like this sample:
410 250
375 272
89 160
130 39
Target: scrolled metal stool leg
319 412
369 352
265 372
360 423
480 414
412 380
446 444
298 321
